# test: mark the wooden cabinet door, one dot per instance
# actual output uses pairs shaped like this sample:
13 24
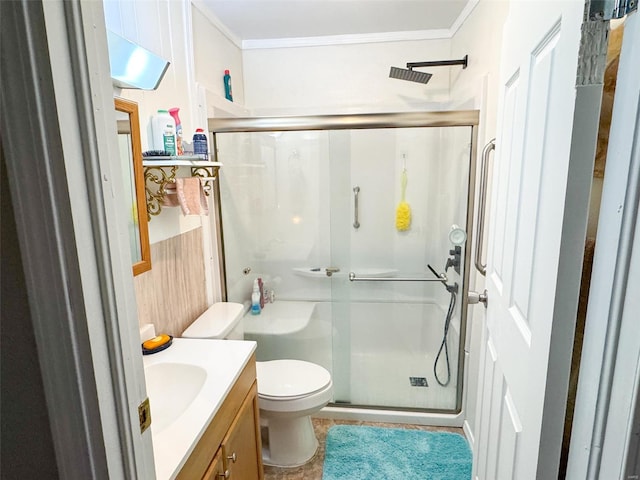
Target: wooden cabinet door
216 469
241 446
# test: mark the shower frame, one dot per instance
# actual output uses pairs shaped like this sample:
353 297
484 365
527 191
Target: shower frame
448 118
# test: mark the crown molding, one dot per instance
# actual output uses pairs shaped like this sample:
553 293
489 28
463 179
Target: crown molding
346 39
216 22
464 14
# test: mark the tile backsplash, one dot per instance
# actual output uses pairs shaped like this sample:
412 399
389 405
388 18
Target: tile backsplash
172 294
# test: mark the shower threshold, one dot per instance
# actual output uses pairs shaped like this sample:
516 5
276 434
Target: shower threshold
425 417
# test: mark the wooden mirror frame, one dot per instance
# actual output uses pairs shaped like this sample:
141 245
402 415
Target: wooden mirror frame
131 108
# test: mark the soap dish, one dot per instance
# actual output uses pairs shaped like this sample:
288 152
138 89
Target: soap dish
159 348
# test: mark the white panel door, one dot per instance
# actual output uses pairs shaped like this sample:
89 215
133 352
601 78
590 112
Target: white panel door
536 106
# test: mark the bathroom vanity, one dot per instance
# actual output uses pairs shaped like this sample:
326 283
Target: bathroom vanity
204 410
235 431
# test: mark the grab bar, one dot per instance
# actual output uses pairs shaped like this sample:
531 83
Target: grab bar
482 267
356 192
354 278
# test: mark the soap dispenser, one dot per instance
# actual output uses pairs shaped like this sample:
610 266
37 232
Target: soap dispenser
255 298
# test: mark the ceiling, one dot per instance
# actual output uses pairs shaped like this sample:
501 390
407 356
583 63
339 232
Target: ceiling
252 20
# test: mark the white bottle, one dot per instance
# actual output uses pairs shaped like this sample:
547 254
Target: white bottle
255 298
163 127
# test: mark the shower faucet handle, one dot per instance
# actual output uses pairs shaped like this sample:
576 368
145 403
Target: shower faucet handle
331 270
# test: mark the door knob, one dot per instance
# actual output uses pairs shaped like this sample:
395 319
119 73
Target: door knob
232 457
476 297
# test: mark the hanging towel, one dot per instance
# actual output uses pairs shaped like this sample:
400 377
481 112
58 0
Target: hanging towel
170 198
189 194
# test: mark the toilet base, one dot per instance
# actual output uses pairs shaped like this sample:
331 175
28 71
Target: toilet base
290 442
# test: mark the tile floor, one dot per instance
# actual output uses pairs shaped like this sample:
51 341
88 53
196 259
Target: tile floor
313 469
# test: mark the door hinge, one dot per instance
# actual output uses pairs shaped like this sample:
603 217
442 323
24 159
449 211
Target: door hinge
144 414
610 9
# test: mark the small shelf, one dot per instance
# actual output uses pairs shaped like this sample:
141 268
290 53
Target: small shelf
180 161
161 171
319 272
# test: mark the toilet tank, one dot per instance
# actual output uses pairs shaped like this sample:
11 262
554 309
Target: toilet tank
222 320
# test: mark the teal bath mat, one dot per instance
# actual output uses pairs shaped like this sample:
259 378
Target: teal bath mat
367 453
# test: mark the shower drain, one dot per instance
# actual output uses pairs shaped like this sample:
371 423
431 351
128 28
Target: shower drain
418 382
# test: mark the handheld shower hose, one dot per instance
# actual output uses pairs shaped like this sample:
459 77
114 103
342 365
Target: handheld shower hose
453 290
444 347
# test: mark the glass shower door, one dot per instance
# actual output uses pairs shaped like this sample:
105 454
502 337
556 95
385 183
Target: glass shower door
391 319
274 210
353 295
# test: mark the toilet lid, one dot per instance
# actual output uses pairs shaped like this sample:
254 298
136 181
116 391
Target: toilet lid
290 378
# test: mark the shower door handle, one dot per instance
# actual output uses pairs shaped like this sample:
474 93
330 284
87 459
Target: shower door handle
356 193
482 205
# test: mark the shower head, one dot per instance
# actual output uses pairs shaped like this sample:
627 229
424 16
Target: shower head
421 77
409 75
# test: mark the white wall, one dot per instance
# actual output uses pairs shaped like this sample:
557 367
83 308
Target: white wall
342 78
214 53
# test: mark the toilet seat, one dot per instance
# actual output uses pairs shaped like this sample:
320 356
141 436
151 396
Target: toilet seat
284 380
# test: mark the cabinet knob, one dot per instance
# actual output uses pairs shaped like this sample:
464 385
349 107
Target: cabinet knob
226 474
232 457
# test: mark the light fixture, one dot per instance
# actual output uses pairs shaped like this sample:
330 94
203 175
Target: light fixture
133 66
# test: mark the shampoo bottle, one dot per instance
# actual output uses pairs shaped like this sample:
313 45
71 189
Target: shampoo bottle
200 146
255 298
227 86
174 113
163 127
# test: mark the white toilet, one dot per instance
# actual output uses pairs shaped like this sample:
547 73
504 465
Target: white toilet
289 391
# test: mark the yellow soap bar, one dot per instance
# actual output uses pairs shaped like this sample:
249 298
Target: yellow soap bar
156 342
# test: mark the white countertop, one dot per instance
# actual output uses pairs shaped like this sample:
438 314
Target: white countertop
223 360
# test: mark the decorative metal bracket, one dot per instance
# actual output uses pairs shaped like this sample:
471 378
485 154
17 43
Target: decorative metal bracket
210 173
158 177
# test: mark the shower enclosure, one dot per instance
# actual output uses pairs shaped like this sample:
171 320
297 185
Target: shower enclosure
309 205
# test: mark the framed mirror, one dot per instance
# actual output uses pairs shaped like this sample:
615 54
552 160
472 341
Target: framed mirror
133 183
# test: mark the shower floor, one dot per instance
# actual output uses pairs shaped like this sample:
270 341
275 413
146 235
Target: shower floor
384 381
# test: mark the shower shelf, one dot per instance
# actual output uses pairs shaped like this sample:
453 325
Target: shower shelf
316 272
161 171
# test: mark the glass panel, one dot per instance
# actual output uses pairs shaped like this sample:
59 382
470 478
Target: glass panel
275 217
288 212
387 334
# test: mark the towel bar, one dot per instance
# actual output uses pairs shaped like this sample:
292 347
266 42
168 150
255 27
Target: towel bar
164 175
354 278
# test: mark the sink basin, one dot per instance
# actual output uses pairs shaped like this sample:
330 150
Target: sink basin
171 388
